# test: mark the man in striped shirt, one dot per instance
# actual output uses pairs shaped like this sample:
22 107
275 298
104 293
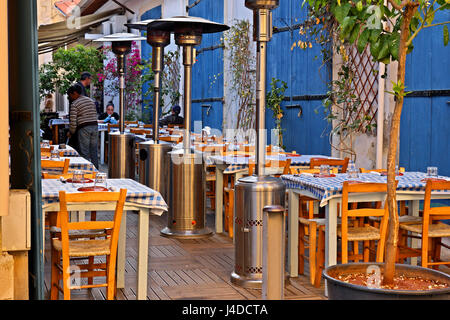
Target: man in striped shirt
83 122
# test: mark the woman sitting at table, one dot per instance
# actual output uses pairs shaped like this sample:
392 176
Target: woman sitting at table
173 118
109 116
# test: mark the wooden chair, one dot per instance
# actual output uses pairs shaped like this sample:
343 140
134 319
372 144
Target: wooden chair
365 233
285 164
51 164
317 162
363 170
172 139
139 131
148 126
63 247
180 126
132 122
431 230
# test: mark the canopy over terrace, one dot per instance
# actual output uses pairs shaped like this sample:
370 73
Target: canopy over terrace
55 35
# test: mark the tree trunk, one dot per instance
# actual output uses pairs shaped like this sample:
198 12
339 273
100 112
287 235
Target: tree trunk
392 241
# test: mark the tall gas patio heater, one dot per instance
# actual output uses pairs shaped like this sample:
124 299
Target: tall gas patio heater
255 192
121 155
187 219
154 162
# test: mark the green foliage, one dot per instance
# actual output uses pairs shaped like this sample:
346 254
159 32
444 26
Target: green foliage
66 67
273 101
237 43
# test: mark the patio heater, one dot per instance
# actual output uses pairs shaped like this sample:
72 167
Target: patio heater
187 219
255 192
154 168
121 155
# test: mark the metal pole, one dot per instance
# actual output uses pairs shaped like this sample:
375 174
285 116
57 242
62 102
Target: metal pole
273 252
262 33
188 59
121 69
157 66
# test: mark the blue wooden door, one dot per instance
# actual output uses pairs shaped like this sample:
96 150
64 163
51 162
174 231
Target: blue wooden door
302 70
424 128
207 72
146 53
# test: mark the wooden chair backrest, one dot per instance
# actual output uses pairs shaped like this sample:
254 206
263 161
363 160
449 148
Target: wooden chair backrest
132 122
90 197
148 126
317 162
434 213
139 131
294 170
285 164
171 139
46 175
363 212
64 164
110 126
212 149
253 148
175 125
363 170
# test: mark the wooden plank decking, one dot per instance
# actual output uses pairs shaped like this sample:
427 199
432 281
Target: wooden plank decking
185 269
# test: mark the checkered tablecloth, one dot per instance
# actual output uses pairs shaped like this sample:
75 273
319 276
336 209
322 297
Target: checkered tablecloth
136 192
239 163
76 163
68 151
58 122
325 188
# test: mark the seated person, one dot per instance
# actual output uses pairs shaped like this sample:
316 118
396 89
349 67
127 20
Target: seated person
173 118
109 116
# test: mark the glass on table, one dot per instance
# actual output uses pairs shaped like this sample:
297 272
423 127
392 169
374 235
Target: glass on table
54 154
324 170
352 170
101 180
432 172
45 144
78 179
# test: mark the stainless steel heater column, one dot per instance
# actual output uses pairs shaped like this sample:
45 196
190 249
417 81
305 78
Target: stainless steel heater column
187 217
154 163
122 150
253 193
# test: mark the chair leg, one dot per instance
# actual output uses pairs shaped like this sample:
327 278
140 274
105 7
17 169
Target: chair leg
355 251
110 277
66 278
231 214
301 249
320 262
312 251
54 292
366 251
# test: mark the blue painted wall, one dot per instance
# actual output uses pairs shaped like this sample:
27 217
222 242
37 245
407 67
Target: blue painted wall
207 72
424 128
146 53
302 71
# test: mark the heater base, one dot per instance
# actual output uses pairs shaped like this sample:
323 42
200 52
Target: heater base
186 234
246 282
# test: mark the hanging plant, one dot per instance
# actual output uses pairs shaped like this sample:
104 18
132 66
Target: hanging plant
273 101
237 42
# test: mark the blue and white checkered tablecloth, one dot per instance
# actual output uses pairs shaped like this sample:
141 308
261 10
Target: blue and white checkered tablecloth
239 163
325 188
68 151
136 193
76 163
58 122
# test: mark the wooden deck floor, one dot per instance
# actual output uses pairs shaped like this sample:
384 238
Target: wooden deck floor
186 269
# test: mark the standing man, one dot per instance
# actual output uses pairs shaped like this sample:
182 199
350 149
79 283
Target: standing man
83 123
85 82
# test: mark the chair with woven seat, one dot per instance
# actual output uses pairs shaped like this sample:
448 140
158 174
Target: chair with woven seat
431 229
63 165
63 248
365 233
317 162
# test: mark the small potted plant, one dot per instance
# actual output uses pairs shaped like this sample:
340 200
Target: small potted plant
360 22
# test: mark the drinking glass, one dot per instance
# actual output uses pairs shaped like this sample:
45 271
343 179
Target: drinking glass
432 172
78 179
101 180
45 144
352 170
324 170
54 154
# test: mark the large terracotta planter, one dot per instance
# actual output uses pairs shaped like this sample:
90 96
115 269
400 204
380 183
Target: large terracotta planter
340 290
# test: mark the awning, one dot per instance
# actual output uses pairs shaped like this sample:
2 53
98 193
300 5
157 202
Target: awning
55 35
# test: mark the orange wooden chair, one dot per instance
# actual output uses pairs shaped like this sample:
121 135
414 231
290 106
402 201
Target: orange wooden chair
53 164
131 122
148 126
431 230
65 248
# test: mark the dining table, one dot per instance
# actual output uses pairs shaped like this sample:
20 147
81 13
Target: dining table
139 198
237 165
328 192
76 163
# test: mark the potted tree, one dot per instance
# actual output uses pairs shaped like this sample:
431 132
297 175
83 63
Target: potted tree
360 22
